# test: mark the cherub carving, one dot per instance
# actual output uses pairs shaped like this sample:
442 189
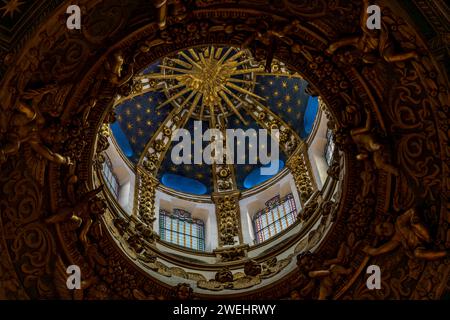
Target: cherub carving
252 268
351 115
82 214
269 38
328 277
269 266
113 73
409 232
26 125
373 42
114 69
224 275
121 225
368 144
183 291
85 109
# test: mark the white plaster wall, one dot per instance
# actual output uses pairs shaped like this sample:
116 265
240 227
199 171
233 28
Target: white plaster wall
316 154
125 176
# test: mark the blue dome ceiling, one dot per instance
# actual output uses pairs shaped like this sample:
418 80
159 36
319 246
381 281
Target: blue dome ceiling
139 118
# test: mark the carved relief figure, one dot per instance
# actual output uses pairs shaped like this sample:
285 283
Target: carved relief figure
269 39
327 278
183 291
373 42
114 69
368 144
85 109
252 268
27 125
409 232
224 275
82 213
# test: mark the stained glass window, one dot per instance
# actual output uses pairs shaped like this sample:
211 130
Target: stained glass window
181 229
274 218
110 178
329 148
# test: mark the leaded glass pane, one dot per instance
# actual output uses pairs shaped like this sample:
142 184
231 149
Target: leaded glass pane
278 215
179 228
110 178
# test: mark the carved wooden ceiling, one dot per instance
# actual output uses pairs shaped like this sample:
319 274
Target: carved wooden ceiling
387 96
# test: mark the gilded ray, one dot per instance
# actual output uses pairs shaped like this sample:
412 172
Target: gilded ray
227 53
237 55
144 91
202 58
174 97
244 71
187 99
234 95
176 69
158 76
235 64
181 63
194 104
241 81
213 116
180 85
202 108
189 59
194 54
232 107
222 109
240 89
218 53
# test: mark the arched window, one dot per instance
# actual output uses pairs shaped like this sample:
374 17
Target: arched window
110 177
329 148
181 229
274 218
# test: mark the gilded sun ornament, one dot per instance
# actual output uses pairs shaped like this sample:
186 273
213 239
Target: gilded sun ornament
207 82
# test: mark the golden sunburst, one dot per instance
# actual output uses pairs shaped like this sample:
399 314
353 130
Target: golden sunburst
11 7
208 81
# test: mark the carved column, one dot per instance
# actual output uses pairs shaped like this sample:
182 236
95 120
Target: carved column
102 138
226 198
298 164
228 216
146 194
